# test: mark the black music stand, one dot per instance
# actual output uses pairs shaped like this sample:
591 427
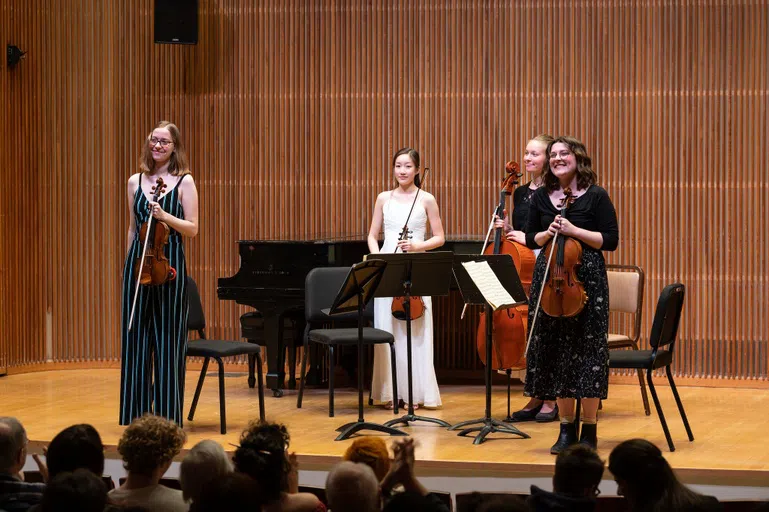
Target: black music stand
358 289
503 267
418 274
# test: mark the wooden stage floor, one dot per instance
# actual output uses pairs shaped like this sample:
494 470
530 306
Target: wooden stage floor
728 423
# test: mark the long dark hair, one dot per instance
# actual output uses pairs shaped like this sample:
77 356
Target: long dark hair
414 156
262 456
586 176
653 485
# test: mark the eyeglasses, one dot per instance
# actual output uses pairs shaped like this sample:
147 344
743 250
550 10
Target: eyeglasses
163 142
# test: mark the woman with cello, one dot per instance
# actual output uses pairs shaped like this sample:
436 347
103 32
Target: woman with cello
410 208
541 408
162 207
568 356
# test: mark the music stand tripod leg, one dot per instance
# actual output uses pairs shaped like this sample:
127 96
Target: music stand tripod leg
410 416
488 425
349 429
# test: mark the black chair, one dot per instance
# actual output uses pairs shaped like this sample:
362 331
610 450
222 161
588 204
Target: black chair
321 288
217 349
662 341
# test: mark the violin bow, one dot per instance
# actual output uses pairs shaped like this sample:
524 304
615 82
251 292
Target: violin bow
139 275
494 215
565 204
159 185
404 232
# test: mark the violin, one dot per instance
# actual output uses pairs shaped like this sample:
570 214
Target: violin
152 267
416 304
563 294
509 324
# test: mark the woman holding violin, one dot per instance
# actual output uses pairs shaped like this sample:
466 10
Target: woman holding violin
410 207
163 207
541 408
568 356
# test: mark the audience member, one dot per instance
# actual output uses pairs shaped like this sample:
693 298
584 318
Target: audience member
415 496
81 491
75 447
263 455
231 492
648 483
353 487
148 446
206 462
371 451
578 472
16 495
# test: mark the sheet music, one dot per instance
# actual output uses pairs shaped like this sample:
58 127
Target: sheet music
488 284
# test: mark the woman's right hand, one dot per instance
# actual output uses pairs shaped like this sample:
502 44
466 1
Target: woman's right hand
502 223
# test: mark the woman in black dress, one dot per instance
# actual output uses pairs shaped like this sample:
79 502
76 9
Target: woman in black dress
569 357
540 408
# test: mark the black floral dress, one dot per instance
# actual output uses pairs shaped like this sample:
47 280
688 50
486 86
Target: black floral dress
569 357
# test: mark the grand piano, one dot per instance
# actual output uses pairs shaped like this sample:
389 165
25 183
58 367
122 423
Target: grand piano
271 280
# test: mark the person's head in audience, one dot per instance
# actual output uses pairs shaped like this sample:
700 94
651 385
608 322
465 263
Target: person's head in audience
205 463
647 481
148 446
81 490
371 451
13 446
578 472
352 487
232 492
75 447
262 455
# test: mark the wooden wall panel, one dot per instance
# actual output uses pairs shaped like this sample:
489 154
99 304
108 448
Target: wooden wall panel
291 112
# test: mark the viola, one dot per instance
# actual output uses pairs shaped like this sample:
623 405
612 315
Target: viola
563 294
152 267
509 324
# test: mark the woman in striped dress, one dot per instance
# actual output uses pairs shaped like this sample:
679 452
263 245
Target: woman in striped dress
154 349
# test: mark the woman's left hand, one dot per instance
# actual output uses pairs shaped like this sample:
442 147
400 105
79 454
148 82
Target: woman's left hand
566 227
157 211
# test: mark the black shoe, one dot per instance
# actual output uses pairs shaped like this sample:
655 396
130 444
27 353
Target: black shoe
589 435
567 437
546 417
524 415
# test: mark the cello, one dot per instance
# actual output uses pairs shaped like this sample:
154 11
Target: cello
509 324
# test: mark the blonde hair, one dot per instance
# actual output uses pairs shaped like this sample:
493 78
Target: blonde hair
178 164
546 139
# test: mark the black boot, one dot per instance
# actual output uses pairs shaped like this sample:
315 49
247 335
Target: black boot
589 435
567 437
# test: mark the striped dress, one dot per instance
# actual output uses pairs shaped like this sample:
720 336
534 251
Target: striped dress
154 350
